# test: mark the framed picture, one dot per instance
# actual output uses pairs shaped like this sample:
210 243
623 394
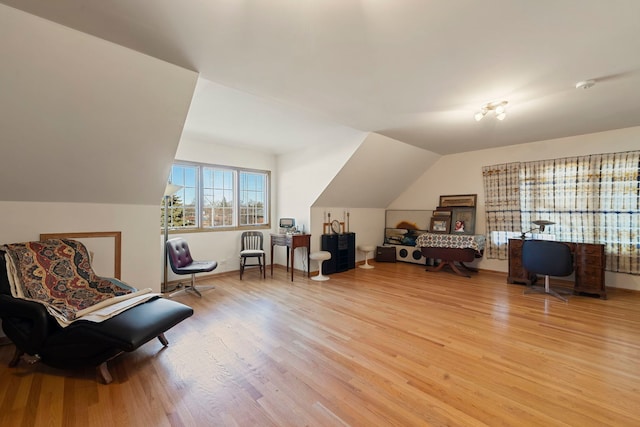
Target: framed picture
442 212
464 200
440 225
463 221
409 219
108 250
401 236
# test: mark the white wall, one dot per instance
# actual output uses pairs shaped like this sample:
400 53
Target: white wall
24 221
462 174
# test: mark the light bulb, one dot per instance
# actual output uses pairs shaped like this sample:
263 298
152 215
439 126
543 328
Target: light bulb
500 109
501 116
478 116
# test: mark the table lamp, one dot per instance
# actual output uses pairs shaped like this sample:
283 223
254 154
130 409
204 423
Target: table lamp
541 224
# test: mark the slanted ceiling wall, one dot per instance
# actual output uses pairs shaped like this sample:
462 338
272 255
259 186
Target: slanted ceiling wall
88 131
379 170
83 119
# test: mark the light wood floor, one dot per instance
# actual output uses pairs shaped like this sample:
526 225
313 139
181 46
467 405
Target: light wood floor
394 345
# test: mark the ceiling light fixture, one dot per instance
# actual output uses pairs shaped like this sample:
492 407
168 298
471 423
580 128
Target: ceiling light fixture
498 107
585 84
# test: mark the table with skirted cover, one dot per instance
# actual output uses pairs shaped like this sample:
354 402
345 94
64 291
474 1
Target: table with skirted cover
452 250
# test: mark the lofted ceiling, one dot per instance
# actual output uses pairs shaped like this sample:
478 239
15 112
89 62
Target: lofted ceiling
282 72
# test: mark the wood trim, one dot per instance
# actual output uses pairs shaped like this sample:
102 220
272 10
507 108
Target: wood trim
117 244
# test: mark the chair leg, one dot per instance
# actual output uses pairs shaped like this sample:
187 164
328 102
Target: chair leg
103 372
16 357
366 264
546 289
163 340
261 264
192 288
320 277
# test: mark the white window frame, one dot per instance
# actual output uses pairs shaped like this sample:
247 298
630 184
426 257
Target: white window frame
211 183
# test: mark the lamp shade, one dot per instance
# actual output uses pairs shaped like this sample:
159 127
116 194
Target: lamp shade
542 223
171 189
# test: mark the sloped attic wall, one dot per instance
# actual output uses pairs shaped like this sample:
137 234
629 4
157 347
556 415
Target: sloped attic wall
88 131
376 174
82 119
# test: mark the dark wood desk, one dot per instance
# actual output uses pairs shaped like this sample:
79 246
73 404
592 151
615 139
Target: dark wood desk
588 267
291 241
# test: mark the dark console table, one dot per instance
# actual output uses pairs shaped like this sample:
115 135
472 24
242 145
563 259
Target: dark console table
291 241
343 252
588 267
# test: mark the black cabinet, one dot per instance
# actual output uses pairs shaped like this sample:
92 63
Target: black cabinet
343 252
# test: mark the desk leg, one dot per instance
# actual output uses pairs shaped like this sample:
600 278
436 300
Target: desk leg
287 258
475 270
293 260
437 268
453 266
272 259
308 261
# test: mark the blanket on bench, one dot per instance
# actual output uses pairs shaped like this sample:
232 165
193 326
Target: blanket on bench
58 274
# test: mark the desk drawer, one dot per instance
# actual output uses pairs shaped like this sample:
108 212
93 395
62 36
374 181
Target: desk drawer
589 269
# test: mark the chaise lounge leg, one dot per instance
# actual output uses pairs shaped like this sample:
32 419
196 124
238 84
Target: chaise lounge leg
103 372
16 358
163 340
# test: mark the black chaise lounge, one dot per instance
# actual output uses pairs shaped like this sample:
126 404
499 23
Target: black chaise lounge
35 332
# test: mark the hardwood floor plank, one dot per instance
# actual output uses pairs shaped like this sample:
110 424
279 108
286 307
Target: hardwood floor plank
394 345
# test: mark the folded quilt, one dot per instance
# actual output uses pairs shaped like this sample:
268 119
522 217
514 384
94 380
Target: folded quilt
58 274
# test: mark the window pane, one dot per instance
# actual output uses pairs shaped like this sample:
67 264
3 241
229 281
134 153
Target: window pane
218 190
253 198
182 204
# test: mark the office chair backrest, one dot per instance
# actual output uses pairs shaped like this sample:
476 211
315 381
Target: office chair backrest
547 257
179 254
251 240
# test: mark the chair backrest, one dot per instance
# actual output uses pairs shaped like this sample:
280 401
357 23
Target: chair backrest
178 253
251 240
547 257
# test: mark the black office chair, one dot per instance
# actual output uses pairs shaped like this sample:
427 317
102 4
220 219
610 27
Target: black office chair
549 258
251 247
181 262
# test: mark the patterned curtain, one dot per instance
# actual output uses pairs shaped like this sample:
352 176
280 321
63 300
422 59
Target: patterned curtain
591 199
502 203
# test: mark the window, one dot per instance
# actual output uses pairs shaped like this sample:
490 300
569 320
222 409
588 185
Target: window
213 197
